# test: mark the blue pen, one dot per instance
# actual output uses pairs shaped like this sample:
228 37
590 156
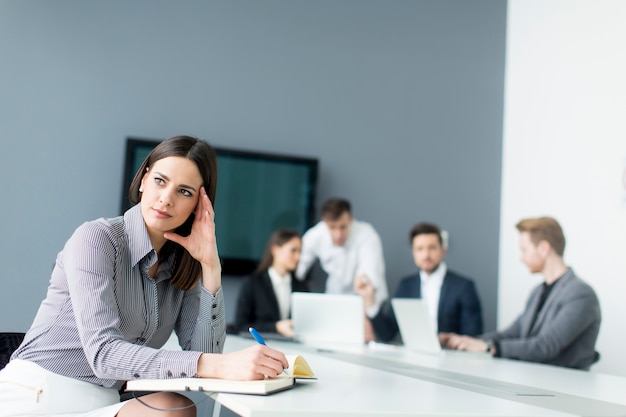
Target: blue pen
256 336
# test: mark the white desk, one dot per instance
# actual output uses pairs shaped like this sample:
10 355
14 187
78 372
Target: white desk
587 384
345 389
380 382
560 389
392 381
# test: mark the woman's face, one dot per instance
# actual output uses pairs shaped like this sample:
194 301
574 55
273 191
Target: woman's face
286 257
170 192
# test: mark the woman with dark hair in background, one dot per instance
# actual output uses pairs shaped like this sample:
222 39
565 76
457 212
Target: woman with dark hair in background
264 298
120 287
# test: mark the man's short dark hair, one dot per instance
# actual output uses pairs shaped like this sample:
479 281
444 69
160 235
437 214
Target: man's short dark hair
425 229
333 208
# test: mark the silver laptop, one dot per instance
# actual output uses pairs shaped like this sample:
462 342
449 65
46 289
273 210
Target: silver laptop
414 324
320 318
417 332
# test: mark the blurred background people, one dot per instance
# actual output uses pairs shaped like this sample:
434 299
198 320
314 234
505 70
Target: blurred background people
346 248
561 321
451 299
264 298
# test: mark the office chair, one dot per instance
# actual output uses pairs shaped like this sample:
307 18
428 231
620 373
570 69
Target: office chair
596 357
8 343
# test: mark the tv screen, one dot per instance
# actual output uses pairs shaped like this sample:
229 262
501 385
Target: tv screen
257 193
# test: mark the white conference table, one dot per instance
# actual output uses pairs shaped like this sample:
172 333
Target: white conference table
586 384
380 380
568 390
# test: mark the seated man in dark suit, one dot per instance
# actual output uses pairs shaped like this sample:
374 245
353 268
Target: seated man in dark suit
452 299
561 321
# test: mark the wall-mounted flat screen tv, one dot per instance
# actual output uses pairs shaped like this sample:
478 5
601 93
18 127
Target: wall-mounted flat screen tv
257 192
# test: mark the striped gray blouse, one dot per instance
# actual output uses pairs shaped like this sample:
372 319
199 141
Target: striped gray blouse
104 319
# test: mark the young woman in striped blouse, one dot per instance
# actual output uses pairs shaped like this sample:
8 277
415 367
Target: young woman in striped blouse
120 287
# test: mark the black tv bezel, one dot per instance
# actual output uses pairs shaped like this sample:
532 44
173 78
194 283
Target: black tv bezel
230 265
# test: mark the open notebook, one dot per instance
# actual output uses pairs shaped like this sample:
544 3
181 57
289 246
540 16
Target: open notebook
416 330
320 318
298 369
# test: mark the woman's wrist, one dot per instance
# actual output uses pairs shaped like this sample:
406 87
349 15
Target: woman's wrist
207 365
212 278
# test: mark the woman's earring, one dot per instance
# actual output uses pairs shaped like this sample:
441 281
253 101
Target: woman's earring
140 190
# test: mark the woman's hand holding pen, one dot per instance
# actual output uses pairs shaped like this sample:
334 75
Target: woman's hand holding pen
255 362
201 243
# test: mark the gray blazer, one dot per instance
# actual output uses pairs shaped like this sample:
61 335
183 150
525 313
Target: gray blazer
565 331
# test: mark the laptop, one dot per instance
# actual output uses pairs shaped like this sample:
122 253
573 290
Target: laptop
416 330
414 325
329 319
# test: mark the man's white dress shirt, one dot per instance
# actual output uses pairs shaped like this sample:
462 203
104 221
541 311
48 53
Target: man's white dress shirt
362 253
431 289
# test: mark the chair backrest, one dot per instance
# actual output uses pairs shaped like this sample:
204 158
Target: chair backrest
596 357
8 343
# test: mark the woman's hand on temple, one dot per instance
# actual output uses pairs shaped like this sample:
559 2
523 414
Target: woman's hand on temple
201 243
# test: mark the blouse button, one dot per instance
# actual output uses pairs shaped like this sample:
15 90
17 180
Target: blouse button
213 316
136 375
169 373
182 374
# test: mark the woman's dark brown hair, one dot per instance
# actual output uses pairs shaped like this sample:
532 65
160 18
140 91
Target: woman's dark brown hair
278 238
186 269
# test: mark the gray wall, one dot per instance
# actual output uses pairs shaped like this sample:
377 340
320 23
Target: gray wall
401 101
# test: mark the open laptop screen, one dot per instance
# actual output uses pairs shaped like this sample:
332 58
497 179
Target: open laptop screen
328 318
413 322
